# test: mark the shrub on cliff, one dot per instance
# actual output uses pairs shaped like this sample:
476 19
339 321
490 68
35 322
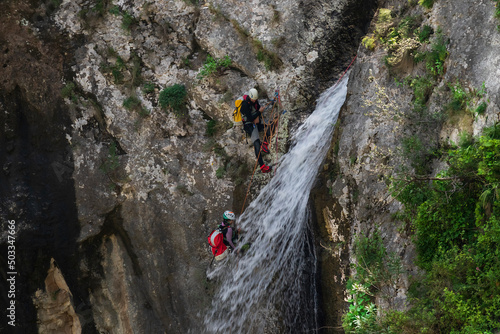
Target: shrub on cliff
213 66
457 236
173 97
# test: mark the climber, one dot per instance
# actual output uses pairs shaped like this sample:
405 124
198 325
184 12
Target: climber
230 235
252 116
223 237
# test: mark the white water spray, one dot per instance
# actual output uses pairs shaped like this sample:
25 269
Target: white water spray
271 288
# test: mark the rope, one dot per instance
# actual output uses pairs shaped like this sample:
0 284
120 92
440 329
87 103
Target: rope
347 69
277 125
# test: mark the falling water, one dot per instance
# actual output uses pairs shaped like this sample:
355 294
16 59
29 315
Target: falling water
271 288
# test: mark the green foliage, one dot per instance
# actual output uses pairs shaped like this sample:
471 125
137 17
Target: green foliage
136 70
497 9
111 163
413 150
459 96
213 66
220 172
384 22
100 6
435 59
492 132
68 91
173 97
133 103
192 2
114 68
148 88
127 19
404 30
90 11
362 314
186 62
373 267
422 89
465 139
368 42
270 59
481 108
425 33
463 100
417 153
426 3
55 3
370 253
401 40
211 128
457 236
115 10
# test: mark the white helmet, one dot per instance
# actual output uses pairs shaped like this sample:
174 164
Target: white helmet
253 94
229 215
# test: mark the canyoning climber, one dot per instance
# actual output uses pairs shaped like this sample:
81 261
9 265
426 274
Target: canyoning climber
253 124
223 236
227 229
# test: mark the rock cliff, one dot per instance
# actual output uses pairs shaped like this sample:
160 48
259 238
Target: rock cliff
113 194
120 190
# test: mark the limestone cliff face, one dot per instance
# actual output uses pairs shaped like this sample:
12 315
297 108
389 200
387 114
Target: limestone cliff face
377 116
123 198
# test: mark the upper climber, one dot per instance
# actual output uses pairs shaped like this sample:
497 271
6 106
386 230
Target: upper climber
253 124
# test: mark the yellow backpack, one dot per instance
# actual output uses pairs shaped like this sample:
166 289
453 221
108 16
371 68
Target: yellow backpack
237 118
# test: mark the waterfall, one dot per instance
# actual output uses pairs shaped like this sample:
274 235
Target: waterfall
271 287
